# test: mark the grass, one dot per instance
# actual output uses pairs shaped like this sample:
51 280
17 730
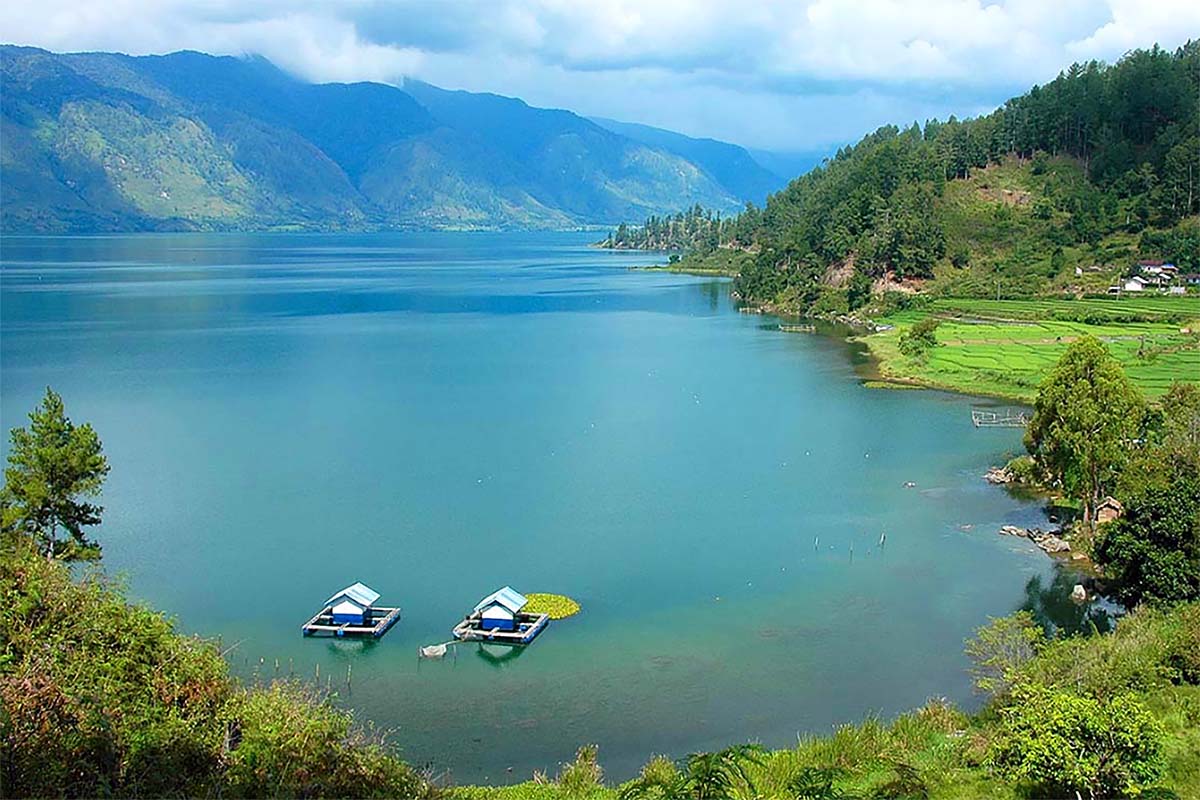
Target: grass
1004 348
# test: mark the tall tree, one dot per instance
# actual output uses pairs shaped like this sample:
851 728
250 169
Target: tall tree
1086 416
53 467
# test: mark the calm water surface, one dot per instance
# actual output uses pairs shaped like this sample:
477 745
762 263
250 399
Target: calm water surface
440 414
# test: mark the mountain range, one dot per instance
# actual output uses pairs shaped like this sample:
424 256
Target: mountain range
107 142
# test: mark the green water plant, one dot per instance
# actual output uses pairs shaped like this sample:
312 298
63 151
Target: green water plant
558 606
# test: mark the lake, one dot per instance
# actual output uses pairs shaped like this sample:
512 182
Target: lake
439 414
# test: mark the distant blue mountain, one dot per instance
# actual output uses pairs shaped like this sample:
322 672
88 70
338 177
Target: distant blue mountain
731 166
790 165
104 141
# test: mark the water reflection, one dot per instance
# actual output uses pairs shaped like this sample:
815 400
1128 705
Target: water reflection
1059 615
498 655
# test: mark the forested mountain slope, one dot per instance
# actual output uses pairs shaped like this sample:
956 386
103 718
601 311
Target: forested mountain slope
102 141
1092 171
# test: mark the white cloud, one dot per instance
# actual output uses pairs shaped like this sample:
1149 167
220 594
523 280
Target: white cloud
757 71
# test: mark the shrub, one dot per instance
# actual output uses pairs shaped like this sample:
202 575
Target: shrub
918 339
583 775
101 698
1066 744
1153 552
1025 470
1000 648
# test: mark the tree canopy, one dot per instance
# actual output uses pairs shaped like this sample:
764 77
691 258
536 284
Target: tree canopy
1085 420
1115 148
52 467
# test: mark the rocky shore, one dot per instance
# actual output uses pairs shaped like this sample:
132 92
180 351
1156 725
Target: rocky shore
1050 541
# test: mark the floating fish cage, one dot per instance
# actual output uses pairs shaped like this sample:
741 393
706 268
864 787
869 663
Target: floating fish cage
352 612
525 629
375 622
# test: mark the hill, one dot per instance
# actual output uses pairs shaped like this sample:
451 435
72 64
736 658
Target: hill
729 165
103 141
1060 190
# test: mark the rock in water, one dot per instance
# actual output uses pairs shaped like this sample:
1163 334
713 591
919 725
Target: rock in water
1079 594
998 475
1052 544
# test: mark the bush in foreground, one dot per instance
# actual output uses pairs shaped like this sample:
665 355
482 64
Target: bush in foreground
102 698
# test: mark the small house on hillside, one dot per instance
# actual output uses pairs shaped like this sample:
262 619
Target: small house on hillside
1135 284
1108 510
352 605
498 611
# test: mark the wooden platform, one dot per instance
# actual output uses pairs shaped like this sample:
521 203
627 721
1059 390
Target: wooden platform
322 624
528 627
1000 418
798 328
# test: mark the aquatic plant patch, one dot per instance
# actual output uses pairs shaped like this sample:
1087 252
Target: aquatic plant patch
558 606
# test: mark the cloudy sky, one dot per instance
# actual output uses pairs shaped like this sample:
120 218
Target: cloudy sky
790 76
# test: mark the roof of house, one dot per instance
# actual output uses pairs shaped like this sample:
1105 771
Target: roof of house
508 597
358 592
1150 263
1110 502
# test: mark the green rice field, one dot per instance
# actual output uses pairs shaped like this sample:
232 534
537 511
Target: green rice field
1005 347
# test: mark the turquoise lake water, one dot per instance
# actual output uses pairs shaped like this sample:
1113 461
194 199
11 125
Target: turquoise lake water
440 414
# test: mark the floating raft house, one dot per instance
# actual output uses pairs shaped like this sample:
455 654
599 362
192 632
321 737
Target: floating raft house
352 612
499 618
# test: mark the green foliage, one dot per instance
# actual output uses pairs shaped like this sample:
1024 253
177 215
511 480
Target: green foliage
704 776
1025 470
52 466
1066 743
1009 187
858 292
1153 551
698 230
999 649
1150 649
1085 417
100 698
917 340
582 776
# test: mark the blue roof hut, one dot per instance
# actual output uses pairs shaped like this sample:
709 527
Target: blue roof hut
352 605
498 611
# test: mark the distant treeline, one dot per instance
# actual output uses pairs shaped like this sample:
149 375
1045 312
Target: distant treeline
697 229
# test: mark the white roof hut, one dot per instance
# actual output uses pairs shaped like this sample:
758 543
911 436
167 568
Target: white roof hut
353 604
500 608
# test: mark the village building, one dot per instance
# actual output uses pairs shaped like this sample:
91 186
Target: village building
1108 510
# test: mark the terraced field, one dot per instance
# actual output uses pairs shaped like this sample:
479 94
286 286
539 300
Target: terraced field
1005 348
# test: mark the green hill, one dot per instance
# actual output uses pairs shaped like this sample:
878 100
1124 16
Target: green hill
1092 171
103 141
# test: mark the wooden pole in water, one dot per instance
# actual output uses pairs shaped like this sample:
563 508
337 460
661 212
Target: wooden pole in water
816 542
882 538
